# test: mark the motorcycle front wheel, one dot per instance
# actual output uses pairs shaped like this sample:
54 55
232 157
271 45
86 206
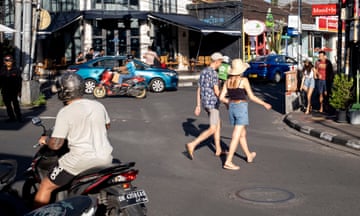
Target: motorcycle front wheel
29 190
99 92
142 94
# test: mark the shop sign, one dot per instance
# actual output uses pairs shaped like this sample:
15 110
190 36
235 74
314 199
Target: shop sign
324 10
329 24
254 27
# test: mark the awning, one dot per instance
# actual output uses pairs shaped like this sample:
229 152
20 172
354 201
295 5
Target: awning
102 14
60 21
192 23
6 29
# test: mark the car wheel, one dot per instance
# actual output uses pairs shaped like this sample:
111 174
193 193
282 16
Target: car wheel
157 85
90 85
277 77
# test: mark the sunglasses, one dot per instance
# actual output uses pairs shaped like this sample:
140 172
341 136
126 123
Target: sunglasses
8 60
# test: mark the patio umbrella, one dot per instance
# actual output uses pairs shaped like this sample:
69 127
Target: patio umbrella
6 29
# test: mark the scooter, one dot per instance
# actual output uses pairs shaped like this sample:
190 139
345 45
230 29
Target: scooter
111 186
134 86
75 206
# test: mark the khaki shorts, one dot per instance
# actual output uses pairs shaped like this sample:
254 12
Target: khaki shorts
214 116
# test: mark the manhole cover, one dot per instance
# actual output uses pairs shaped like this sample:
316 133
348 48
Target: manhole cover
265 195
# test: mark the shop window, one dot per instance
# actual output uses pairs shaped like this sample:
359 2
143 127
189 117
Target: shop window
317 42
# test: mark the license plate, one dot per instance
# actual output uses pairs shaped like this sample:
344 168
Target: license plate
134 197
253 75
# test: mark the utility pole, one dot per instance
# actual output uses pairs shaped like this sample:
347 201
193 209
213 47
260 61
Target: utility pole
30 88
299 35
18 28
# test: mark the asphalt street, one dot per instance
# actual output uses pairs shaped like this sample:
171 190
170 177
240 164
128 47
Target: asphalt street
292 174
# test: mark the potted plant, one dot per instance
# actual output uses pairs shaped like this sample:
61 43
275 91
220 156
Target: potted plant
354 112
341 95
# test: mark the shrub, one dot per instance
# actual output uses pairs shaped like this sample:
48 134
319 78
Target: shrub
341 92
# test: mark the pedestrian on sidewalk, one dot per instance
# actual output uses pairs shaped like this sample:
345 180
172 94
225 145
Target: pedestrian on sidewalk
151 58
10 85
207 95
324 75
235 95
308 83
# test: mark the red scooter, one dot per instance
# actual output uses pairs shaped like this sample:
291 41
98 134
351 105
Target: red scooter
134 86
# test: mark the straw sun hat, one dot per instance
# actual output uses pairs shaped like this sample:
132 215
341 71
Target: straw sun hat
238 67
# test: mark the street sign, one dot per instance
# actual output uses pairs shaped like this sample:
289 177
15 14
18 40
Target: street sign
285 37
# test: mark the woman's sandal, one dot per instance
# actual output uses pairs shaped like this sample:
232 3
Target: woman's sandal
231 167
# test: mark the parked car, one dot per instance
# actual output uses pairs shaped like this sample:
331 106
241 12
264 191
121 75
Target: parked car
157 79
270 67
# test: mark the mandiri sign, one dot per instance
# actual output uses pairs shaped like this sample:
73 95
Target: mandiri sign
324 10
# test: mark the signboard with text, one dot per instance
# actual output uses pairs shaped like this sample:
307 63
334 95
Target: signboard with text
324 10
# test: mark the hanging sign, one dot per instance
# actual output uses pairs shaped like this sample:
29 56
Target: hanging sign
254 27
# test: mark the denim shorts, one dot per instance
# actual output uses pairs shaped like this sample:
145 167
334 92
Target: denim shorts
309 83
238 113
321 86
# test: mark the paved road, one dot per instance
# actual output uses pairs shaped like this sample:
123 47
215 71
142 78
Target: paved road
292 175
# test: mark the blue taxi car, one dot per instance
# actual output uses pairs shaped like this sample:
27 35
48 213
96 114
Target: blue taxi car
157 79
270 67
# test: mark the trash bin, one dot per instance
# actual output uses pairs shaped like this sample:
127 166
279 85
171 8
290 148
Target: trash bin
291 81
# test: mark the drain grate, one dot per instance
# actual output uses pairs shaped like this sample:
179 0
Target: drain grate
265 195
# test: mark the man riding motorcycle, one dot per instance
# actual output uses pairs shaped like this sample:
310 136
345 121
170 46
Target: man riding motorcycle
128 70
83 123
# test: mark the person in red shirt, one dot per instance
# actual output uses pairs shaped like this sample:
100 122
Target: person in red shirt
324 74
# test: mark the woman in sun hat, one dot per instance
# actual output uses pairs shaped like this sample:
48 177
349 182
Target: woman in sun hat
235 95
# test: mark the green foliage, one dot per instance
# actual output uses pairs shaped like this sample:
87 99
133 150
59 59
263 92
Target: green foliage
40 101
273 38
341 91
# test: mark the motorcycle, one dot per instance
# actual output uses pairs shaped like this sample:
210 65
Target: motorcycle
134 86
10 202
111 186
75 206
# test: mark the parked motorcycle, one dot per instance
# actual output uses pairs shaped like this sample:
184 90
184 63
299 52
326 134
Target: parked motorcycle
134 86
75 206
10 202
111 185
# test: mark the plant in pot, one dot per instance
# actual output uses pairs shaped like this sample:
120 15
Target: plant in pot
341 95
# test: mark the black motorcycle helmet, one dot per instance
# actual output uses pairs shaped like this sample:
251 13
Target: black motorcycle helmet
129 57
70 86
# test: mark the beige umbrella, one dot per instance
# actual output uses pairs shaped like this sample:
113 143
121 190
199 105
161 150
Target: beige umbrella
6 29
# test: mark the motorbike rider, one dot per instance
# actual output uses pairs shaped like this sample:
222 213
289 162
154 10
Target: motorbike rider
83 123
223 70
128 70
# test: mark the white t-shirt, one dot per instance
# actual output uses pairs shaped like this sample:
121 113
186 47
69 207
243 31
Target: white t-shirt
150 57
82 123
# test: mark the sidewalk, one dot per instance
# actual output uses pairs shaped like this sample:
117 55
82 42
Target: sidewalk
325 127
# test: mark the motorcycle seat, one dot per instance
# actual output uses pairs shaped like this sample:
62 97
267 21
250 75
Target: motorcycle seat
105 169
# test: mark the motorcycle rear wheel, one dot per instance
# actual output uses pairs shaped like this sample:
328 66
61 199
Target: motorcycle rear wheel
113 208
99 92
142 94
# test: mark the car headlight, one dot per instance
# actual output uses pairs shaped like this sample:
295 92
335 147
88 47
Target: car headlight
170 73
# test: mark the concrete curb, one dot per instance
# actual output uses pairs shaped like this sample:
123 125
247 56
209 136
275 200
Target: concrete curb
323 135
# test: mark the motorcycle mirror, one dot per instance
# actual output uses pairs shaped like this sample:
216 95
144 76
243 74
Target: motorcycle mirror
36 121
